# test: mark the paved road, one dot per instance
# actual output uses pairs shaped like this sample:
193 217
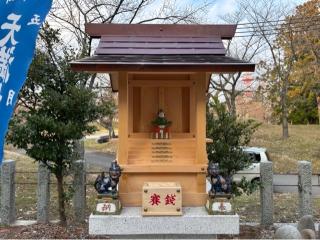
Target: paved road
98 159
289 182
93 158
96 136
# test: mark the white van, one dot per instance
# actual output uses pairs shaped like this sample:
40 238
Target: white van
252 173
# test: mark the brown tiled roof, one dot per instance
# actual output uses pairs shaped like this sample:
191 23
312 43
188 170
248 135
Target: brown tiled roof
161 47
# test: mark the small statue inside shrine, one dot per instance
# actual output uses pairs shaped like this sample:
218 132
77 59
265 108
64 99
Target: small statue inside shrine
219 185
161 126
107 185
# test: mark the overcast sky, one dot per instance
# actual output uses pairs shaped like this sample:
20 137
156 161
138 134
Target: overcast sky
222 7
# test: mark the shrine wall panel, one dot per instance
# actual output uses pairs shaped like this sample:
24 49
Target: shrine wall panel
173 107
186 109
188 181
170 92
144 109
136 111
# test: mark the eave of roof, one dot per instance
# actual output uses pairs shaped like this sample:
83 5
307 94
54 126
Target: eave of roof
165 63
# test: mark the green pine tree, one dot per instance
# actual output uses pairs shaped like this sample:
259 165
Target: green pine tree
229 136
55 110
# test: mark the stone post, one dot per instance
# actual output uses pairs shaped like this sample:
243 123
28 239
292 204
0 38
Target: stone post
266 193
8 200
79 186
305 188
43 193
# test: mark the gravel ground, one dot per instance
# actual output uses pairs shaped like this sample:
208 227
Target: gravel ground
76 231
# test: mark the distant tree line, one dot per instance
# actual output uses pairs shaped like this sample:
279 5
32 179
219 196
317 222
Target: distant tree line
284 42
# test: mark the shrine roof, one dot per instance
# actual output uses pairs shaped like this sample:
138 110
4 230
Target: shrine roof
168 62
161 47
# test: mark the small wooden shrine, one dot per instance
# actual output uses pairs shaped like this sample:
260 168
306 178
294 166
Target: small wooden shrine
161 67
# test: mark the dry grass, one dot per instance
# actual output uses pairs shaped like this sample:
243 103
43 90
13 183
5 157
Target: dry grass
23 162
285 207
26 187
303 144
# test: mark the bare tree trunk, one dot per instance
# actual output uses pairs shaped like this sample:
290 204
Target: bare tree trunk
284 109
110 128
61 199
285 128
228 101
233 109
92 79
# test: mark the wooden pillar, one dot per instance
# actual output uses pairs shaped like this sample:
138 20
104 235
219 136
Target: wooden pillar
130 105
200 130
193 107
123 126
161 98
201 156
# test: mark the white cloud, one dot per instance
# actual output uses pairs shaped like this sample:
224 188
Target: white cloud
221 7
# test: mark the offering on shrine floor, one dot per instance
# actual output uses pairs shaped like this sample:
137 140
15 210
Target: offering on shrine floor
161 126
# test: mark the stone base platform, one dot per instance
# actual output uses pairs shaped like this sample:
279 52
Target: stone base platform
194 221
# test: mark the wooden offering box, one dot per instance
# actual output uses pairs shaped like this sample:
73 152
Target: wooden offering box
161 198
165 67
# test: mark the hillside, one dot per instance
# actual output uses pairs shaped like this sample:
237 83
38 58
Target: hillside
303 144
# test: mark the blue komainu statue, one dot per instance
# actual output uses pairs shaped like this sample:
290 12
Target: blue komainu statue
107 185
219 185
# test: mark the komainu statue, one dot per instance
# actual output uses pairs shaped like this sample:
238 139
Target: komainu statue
220 185
107 185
